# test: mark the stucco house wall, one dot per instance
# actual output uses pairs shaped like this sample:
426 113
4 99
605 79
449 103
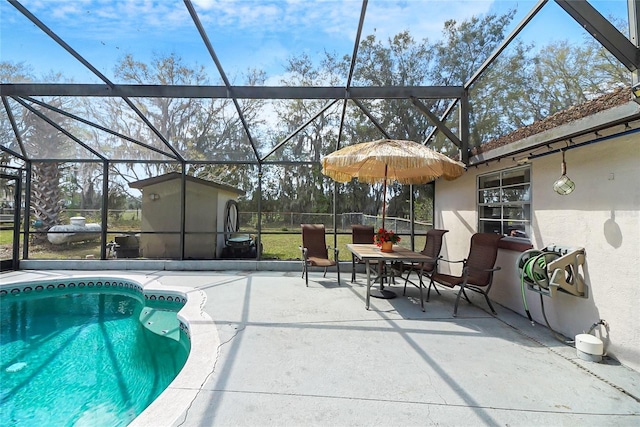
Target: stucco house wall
602 215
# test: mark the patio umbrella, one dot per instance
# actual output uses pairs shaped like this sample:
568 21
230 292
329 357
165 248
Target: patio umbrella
406 162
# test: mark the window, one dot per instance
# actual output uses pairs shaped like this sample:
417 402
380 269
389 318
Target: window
504 202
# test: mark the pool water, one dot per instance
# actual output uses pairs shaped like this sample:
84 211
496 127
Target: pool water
94 359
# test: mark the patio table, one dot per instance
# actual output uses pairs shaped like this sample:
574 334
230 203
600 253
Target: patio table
370 252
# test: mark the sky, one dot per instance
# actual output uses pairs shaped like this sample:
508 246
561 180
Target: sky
245 34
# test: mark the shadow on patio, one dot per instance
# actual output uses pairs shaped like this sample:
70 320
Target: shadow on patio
292 355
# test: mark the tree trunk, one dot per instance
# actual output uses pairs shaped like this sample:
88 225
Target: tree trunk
46 200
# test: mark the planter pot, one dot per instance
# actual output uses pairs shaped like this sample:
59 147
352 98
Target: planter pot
386 247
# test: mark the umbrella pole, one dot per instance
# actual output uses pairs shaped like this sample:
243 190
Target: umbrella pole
382 292
384 195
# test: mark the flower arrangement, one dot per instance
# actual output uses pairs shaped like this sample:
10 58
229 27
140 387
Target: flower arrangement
383 235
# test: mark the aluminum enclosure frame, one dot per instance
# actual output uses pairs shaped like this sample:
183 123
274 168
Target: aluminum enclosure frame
626 50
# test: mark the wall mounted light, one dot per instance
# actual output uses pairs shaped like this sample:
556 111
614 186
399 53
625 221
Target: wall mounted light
154 196
564 185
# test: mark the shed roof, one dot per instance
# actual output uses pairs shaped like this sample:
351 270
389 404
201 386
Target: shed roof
176 175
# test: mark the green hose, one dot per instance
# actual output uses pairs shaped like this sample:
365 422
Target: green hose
526 272
524 298
534 270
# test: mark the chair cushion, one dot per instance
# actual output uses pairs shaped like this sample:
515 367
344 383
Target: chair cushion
447 280
320 262
478 279
451 281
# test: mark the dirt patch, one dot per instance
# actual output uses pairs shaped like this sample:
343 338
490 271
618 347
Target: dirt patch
5 252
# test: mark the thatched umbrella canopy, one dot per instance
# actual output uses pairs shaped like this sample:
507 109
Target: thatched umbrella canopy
406 162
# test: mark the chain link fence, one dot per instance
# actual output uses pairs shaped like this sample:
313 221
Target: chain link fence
290 221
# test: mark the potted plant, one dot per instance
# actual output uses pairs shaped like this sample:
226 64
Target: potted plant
385 239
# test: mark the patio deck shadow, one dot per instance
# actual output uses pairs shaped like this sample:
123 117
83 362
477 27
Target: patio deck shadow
293 355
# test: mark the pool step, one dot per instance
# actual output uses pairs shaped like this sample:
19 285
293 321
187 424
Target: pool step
161 322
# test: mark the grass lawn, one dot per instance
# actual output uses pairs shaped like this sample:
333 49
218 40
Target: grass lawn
287 246
276 247
6 237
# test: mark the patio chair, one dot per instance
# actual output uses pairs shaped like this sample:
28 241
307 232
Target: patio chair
362 234
432 248
477 269
315 252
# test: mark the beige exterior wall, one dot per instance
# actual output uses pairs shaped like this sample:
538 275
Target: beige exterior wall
201 216
602 215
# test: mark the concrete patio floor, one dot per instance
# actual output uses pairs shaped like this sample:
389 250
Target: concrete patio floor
296 356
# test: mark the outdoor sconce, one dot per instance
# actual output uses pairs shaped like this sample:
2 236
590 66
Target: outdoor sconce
564 185
154 196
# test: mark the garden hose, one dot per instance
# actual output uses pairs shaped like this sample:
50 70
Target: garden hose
533 267
524 299
522 263
536 270
556 335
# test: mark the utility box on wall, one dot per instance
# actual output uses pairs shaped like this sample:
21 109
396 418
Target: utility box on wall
161 216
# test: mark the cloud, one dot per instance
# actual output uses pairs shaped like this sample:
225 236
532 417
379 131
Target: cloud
244 33
422 19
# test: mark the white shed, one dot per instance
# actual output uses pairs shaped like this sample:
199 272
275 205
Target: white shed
204 216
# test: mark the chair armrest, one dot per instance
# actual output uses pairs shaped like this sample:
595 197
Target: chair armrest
304 252
336 251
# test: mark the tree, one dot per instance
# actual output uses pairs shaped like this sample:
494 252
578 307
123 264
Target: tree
303 188
524 84
11 72
397 61
43 141
197 129
463 48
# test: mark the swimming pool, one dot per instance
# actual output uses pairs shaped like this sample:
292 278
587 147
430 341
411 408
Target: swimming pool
87 351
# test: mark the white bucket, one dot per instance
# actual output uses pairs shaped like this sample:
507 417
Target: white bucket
589 347
78 220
